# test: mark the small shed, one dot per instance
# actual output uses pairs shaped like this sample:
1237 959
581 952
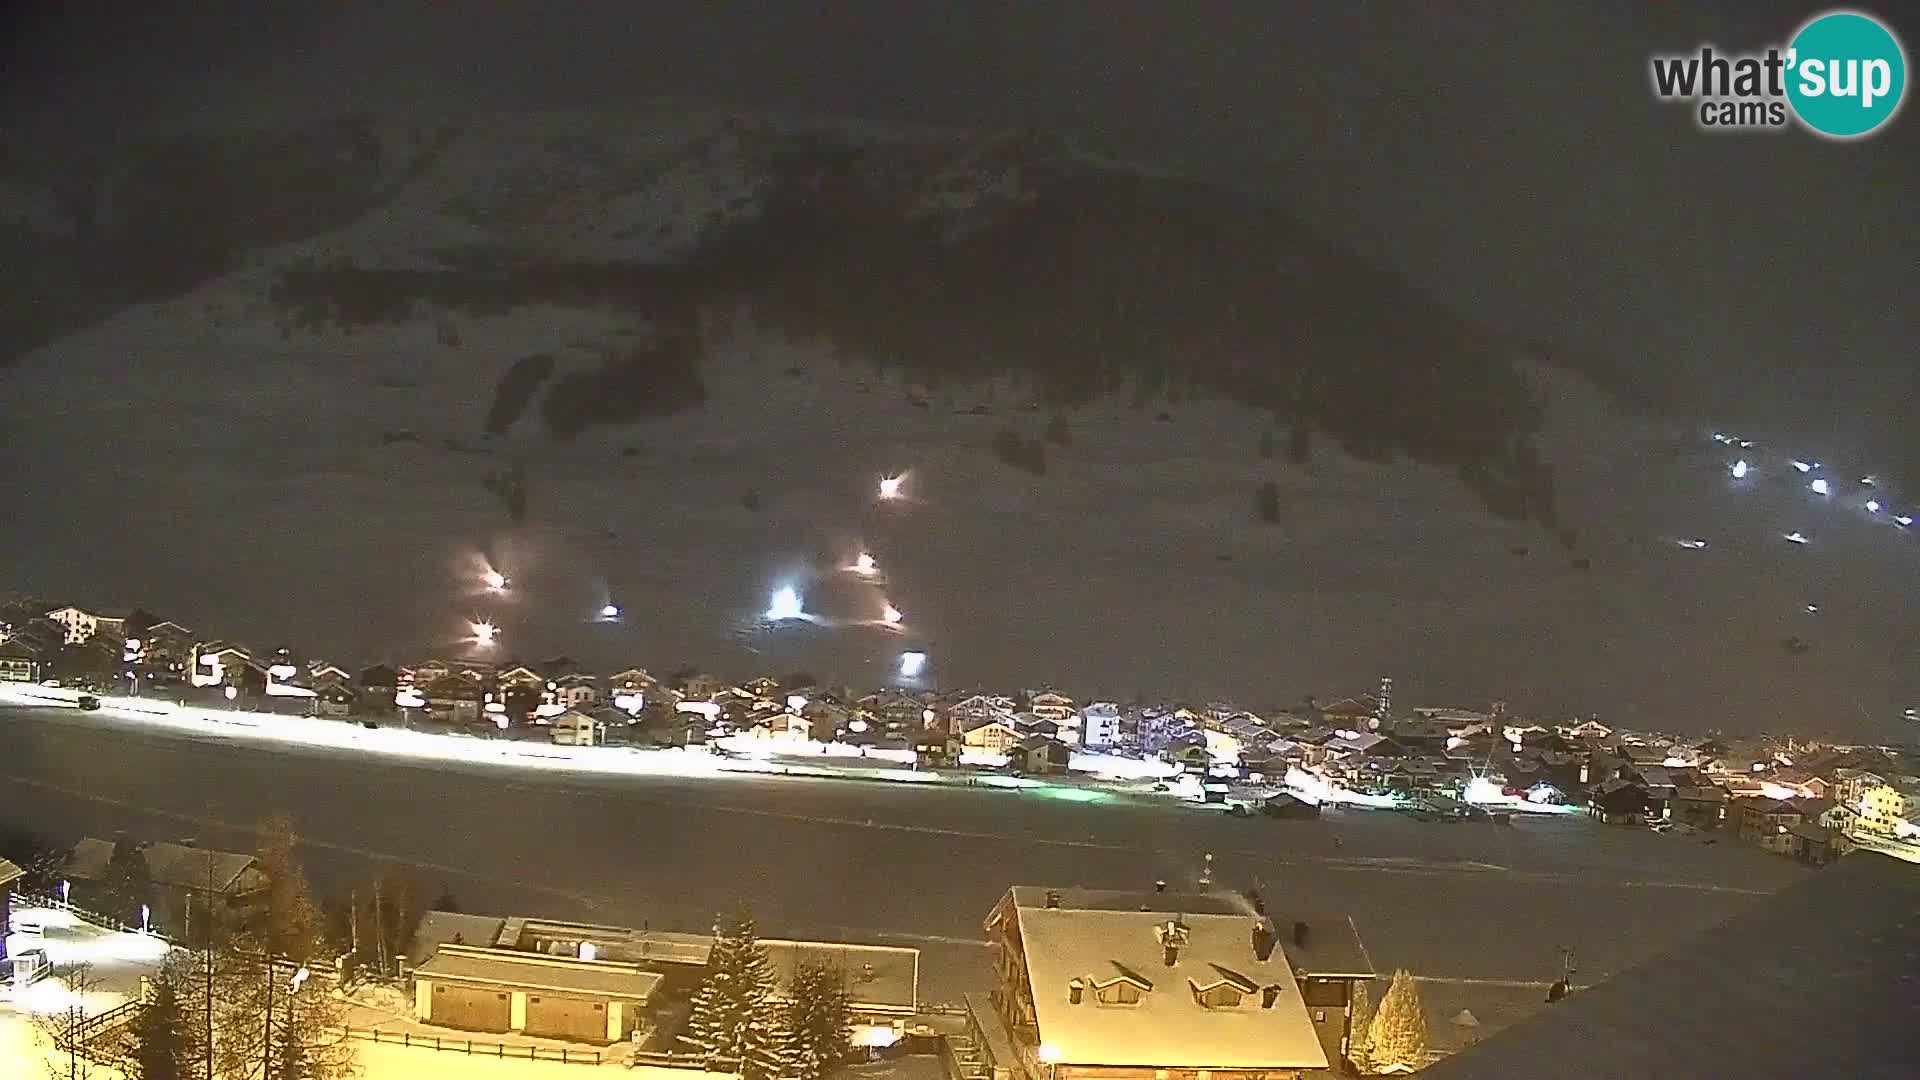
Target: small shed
1288 805
500 990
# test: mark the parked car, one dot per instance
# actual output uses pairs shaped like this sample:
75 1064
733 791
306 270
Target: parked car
89 702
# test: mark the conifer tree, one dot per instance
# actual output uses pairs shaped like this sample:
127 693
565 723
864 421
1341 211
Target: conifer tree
739 981
1399 1030
818 1016
1360 1042
161 1046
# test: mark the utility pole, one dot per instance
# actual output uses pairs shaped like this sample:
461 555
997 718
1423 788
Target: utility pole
379 928
209 951
266 1044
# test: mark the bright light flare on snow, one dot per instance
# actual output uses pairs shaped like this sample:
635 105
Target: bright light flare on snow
1741 469
1805 466
494 580
865 565
1795 537
1813 609
890 486
1868 481
785 604
1873 506
485 633
891 615
1820 487
1691 545
609 612
1903 520
912 664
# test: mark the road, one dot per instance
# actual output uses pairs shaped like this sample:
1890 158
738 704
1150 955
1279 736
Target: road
1464 904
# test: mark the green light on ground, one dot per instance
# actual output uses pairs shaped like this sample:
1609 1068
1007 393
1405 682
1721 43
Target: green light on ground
1073 794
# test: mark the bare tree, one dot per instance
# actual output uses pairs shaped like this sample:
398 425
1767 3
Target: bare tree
65 1030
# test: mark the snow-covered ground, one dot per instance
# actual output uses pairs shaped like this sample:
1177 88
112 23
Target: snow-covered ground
193 458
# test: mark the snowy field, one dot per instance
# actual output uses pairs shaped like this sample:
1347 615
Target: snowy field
884 862
193 458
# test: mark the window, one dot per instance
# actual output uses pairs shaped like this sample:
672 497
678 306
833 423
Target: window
1117 993
1319 1016
1222 996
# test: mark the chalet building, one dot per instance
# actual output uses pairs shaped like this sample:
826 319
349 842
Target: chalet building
1098 985
186 882
1038 755
80 626
18 663
993 737
932 749
1768 824
10 876
1058 708
1618 802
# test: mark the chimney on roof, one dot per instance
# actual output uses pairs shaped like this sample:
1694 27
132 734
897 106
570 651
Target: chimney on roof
1075 991
1160 886
1173 935
1263 940
1269 994
1053 898
1299 933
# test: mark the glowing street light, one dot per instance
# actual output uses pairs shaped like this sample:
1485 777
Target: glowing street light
891 615
610 612
1903 520
1740 469
1795 537
1820 486
785 604
1873 506
865 565
890 486
495 580
912 664
1806 466
485 633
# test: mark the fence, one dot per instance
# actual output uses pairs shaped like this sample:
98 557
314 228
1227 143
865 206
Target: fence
562 1054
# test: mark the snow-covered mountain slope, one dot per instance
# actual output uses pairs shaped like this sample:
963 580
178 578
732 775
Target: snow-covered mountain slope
749 323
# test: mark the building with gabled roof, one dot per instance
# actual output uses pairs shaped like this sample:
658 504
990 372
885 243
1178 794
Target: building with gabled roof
187 882
1122 984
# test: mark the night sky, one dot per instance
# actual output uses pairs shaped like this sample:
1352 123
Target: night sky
1512 161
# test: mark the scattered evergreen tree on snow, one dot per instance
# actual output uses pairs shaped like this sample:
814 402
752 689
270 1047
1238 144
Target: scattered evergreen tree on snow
767 1047
1360 1043
1399 1030
734 994
818 1015
161 1046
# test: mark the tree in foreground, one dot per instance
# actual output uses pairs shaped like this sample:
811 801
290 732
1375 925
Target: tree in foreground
160 1044
733 1017
1360 1041
818 1015
1399 1030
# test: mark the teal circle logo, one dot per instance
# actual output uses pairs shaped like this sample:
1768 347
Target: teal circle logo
1847 74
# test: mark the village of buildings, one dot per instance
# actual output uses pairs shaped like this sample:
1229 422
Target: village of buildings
1801 798
1091 984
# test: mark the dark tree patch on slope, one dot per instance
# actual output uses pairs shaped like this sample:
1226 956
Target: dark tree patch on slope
515 391
654 380
1101 282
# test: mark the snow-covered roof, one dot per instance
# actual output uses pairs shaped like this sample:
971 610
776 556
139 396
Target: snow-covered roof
167 864
532 971
1168 1027
1822 963
9 873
